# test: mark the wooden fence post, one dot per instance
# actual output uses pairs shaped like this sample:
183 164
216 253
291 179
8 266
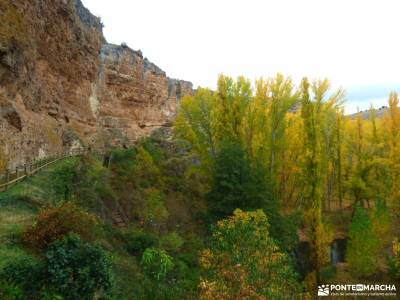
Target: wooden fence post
7 178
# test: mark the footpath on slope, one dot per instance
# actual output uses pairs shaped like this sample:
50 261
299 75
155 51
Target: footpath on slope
9 177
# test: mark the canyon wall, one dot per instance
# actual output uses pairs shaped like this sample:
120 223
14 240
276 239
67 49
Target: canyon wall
63 86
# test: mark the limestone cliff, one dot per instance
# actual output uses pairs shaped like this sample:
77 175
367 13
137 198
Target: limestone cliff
63 86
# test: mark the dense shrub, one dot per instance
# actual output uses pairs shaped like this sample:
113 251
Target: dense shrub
23 275
93 187
381 223
9 291
146 172
56 222
363 246
154 211
138 242
123 163
155 151
78 270
71 269
156 263
171 242
63 179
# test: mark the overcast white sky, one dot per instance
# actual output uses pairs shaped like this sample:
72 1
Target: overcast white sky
354 43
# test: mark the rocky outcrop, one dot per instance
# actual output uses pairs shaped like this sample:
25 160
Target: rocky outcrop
63 86
366 114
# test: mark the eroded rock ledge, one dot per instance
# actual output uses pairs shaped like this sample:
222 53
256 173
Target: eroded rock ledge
62 85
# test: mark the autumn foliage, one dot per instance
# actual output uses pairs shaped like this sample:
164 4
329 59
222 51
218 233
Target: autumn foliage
56 222
244 262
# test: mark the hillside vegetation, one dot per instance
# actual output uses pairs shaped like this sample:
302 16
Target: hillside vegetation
218 207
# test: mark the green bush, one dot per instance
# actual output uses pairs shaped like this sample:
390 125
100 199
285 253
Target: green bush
71 269
9 291
156 263
24 276
123 163
138 242
63 179
186 280
363 246
154 211
172 242
156 152
78 270
93 185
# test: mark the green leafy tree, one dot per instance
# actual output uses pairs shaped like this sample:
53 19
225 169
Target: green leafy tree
244 262
339 155
311 113
281 99
233 185
146 173
231 108
363 245
78 270
392 121
196 123
358 183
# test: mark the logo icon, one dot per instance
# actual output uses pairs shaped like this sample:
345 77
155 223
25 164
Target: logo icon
323 290
359 287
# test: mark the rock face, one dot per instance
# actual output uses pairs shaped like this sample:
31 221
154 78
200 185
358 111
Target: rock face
63 86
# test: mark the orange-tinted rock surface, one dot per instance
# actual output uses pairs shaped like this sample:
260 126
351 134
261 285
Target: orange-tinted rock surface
63 86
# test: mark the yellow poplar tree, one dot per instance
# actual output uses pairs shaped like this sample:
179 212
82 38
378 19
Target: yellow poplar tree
393 128
312 118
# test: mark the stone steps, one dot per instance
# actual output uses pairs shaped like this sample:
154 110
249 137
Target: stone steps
118 220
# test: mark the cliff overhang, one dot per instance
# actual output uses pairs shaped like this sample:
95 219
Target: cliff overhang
63 86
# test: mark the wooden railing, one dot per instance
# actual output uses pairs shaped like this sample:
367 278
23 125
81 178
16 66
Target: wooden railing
11 177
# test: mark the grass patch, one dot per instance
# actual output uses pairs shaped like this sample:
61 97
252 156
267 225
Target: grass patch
38 190
14 216
19 206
